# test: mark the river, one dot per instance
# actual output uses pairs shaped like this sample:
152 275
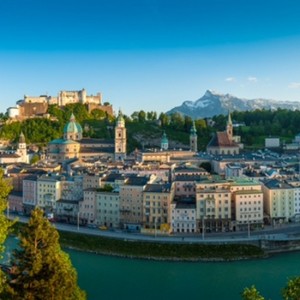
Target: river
110 278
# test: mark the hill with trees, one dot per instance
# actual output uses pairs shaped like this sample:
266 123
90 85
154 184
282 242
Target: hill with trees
145 129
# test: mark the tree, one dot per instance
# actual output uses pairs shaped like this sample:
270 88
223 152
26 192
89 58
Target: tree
164 119
292 290
142 116
98 114
5 189
251 294
40 269
35 158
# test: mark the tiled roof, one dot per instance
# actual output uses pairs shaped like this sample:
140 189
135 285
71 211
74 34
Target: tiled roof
221 139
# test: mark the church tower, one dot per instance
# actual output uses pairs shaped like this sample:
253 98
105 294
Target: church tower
229 128
22 148
193 138
164 144
120 138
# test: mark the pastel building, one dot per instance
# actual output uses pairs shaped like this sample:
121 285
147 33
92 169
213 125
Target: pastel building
156 203
183 216
213 208
48 192
131 201
87 207
107 209
279 200
249 210
29 193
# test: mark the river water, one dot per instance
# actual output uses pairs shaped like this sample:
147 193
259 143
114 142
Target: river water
117 278
109 278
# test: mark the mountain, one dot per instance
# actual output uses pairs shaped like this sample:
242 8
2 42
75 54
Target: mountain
213 103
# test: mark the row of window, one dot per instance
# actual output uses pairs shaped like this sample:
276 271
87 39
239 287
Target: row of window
250 202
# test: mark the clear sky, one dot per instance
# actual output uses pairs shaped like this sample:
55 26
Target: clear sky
150 54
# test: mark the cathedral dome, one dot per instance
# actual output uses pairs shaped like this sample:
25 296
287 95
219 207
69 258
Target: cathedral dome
72 129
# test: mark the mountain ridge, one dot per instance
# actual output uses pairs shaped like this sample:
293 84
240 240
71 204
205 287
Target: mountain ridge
213 103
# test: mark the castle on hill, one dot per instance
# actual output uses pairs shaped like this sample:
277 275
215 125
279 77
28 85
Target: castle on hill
34 106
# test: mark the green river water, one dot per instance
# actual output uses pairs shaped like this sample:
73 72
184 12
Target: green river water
109 278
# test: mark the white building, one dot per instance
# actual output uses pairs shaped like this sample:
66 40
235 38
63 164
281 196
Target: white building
48 192
272 142
248 208
183 217
108 209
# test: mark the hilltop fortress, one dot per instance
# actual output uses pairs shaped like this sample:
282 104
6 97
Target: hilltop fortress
33 106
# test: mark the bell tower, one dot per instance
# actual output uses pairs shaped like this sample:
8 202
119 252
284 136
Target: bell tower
120 138
193 138
22 148
229 128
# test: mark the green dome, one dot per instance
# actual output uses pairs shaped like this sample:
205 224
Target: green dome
72 126
164 138
120 120
193 130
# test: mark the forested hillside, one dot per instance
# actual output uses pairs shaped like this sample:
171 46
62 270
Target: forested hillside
145 129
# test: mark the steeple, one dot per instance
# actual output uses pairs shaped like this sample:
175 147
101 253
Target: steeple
120 119
120 138
229 128
22 148
193 130
22 138
164 144
193 138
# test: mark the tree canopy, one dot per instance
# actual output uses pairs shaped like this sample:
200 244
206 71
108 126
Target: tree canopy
40 269
5 189
290 292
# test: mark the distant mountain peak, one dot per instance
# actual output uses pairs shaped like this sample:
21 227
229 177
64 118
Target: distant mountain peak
214 103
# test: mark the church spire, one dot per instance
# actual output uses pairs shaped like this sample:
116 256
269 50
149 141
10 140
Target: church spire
193 138
229 128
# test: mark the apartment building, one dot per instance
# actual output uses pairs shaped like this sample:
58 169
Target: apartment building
279 200
131 201
213 209
48 192
156 203
183 215
29 197
107 209
87 207
248 206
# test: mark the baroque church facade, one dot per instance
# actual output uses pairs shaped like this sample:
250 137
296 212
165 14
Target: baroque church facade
74 146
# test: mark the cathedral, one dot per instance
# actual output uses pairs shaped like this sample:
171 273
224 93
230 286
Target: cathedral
74 146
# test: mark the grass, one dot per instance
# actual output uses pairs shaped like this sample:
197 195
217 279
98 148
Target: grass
150 250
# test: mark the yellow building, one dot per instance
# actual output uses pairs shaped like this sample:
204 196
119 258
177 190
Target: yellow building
156 203
213 208
131 201
279 200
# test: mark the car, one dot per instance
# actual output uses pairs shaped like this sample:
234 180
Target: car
102 227
92 226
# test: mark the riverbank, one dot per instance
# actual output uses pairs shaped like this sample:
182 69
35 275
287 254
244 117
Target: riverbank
160 251
175 248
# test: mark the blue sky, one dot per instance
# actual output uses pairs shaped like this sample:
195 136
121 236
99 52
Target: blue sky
150 54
